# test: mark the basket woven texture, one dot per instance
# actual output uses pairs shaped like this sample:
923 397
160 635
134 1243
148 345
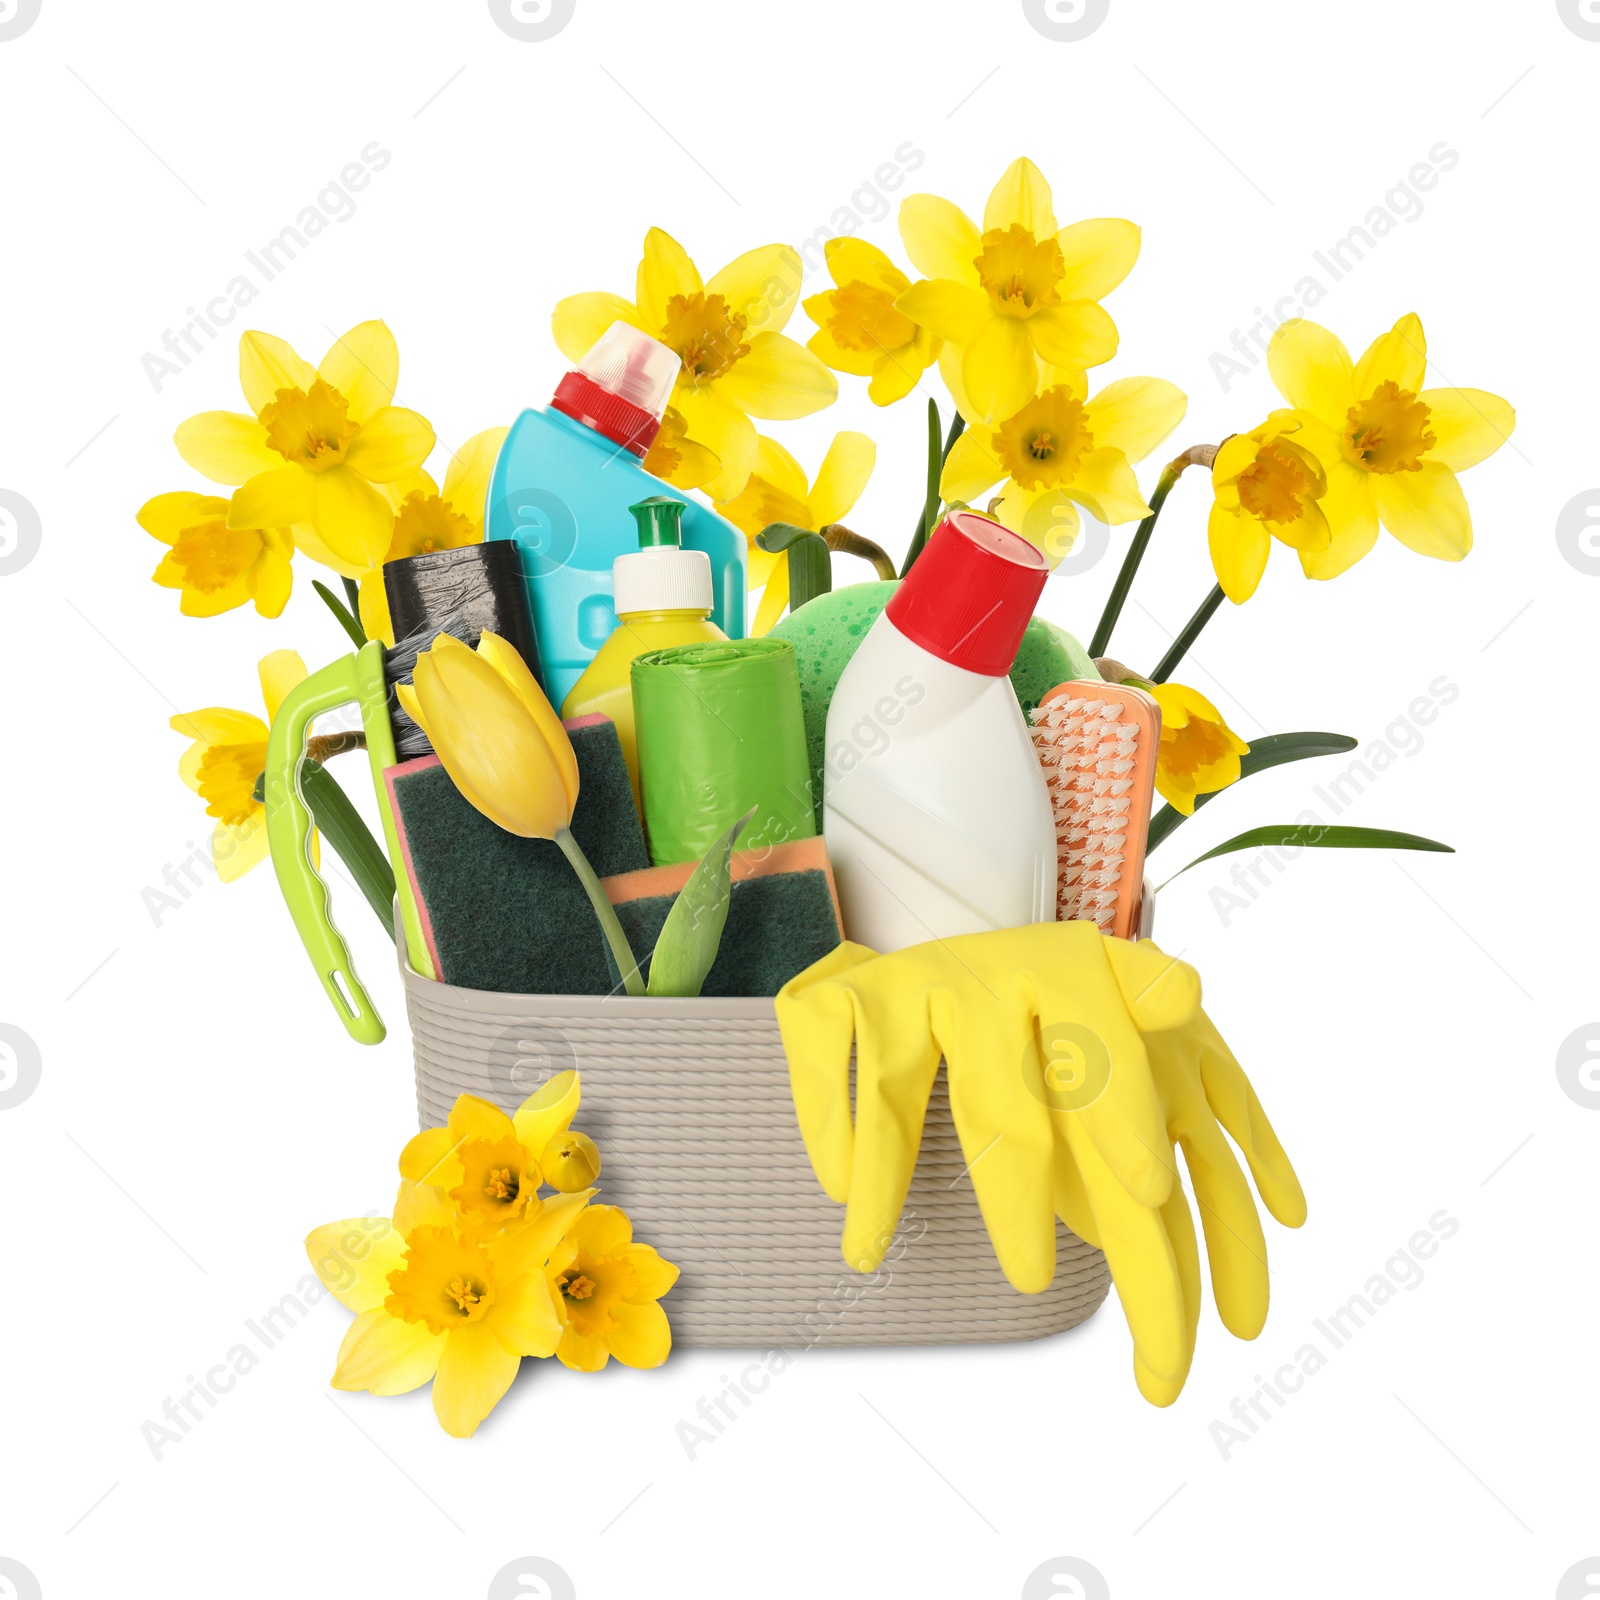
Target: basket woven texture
689 1102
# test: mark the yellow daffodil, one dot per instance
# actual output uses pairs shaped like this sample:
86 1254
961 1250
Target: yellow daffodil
495 733
1391 448
487 1163
217 567
228 755
445 1301
1266 487
675 458
608 1287
1017 293
427 517
1199 752
728 333
1058 452
860 330
316 446
777 491
570 1161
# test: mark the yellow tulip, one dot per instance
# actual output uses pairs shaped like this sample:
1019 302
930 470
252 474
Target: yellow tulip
1199 752
860 331
444 1301
1059 452
777 491
1266 486
228 755
607 1287
1391 448
507 752
217 567
495 733
428 518
728 333
317 443
1018 293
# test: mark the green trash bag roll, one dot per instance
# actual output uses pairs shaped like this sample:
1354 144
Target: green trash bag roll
720 730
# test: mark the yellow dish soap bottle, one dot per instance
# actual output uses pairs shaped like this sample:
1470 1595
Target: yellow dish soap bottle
663 597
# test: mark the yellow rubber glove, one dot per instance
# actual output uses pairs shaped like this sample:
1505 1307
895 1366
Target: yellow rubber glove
1153 1254
997 1007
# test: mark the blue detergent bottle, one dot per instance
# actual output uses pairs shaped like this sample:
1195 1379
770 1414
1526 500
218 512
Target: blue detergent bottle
562 487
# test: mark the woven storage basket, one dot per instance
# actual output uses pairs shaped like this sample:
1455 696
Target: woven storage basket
689 1103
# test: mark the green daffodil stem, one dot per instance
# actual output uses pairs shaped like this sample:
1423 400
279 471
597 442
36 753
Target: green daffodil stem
609 926
838 537
1191 632
1199 455
937 456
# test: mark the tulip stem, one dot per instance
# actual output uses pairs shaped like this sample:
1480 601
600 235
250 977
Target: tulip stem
1191 631
603 909
1199 455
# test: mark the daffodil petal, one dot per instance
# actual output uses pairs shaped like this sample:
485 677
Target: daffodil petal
529 1246
1134 415
1308 531
364 366
941 239
236 847
723 428
549 1110
1468 425
1105 484
226 446
422 1205
219 725
580 319
971 467
641 1336
762 286
1021 198
779 468
349 514
373 604
602 1231
271 499
1048 520
774 599
1234 456
897 372
279 672
1239 548
852 260
1426 511
653 1274
386 1355
950 371
466 479
473 1117
273 581
954 311
842 476
430 1157
778 379
392 443
168 515
1399 356
354 1258
581 1353
1312 370
525 1320
474 1372
1352 515
268 364
999 369
828 350
1099 254
1078 333
665 270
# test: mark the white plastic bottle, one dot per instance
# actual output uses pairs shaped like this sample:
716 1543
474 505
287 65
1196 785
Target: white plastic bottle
935 810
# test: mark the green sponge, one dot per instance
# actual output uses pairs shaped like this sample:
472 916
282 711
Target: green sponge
506 913
825 632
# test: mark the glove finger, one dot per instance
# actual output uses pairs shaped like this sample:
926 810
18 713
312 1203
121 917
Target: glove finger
1160 990
1175 1214
1234 1242
1143 1264
816 1017
896 1063
1006 1135
1231 1097
1070 1197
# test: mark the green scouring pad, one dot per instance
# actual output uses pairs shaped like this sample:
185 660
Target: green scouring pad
502 912
825 632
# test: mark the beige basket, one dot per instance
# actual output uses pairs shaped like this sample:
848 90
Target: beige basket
689 1103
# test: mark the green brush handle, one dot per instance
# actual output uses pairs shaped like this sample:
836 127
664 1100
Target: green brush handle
359 678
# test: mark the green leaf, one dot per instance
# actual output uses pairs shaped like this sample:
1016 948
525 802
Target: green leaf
1273 751
340 824
347 620
810 561
1318 835
692 932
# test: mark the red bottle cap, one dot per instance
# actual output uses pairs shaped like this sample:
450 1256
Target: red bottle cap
970 594
621 387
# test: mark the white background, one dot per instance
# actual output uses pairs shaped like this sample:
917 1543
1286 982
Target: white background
199 1108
